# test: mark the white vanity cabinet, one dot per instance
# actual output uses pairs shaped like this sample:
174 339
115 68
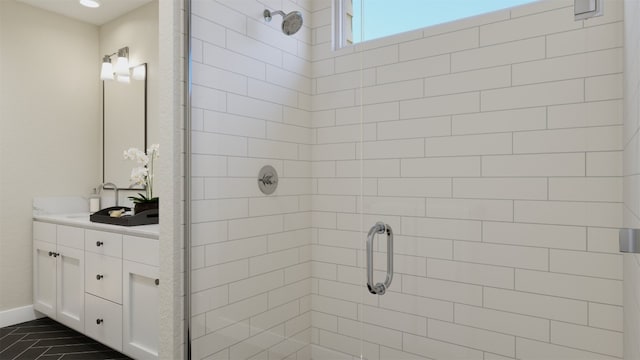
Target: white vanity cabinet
103 283
58 274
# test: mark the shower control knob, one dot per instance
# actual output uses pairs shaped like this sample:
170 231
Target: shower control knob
99 243
268 179
99 321
98 277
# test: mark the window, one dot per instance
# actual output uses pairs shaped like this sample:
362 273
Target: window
363 20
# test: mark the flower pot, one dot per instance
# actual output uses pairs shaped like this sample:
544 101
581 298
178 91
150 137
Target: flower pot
143 206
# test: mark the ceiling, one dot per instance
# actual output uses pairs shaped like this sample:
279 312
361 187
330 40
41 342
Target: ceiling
109 10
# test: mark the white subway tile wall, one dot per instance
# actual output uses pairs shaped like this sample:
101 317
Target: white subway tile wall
491 145
251 270
629 168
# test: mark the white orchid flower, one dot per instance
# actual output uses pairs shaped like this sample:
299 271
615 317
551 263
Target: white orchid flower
138 155
139 175
143 175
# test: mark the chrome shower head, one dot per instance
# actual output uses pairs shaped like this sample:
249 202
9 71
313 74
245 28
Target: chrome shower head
291 22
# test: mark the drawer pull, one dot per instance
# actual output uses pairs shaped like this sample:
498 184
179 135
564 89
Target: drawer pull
99 321
157 281
98 277
99 243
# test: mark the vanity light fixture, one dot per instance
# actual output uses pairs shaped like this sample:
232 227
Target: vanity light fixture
123 78
90 3
106 72
121 71
139 72
122 64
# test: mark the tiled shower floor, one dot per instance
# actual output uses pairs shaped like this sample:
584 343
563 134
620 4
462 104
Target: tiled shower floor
45 339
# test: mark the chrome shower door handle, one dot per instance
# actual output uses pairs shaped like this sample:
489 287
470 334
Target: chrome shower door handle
379 288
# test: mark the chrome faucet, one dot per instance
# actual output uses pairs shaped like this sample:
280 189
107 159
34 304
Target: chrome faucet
113 187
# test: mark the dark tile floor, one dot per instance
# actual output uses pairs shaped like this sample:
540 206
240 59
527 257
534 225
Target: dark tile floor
45 339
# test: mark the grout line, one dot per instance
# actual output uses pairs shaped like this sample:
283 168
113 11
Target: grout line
39 356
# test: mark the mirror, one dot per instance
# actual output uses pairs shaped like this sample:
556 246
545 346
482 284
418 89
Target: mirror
124 126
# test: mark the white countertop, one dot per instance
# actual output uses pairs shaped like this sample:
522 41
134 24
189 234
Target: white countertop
82 220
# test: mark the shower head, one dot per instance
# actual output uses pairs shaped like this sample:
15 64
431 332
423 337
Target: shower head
291 22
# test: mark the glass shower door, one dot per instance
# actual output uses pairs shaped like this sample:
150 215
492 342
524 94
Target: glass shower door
490 147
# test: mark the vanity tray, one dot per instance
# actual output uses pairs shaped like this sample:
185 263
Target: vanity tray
146 217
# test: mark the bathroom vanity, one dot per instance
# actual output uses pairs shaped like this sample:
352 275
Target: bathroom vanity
101 280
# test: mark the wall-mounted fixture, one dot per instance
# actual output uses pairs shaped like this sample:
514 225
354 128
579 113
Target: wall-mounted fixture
122 65
291 22
268 179
90 3
629 240
121 71
584 9
139 72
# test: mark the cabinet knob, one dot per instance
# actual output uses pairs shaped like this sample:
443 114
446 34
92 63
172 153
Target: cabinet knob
50 253
99 243
98 277
157 281
99 321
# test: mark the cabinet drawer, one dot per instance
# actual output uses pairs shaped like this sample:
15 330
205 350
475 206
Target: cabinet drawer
44 232
69 236
142 250
103 321
103 243
103 276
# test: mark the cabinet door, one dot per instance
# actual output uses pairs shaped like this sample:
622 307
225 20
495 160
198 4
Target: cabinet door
140 310
70 309
44 278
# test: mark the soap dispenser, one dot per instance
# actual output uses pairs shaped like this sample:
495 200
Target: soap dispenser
94 201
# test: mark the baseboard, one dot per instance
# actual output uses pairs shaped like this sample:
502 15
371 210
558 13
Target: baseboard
18 315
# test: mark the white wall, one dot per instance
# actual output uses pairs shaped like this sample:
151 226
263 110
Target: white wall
251 254
138 30
631 176
492 146
49 127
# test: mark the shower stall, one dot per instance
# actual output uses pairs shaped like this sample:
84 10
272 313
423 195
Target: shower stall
452 192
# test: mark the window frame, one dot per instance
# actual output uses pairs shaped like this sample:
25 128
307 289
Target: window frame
342 29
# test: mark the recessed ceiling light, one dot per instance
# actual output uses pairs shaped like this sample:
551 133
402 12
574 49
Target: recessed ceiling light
90 3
